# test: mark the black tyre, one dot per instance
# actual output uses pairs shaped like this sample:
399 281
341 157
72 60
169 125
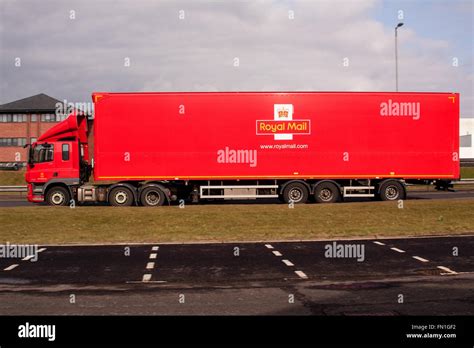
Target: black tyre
121 197
58 196
295 193
392 191
152 196
327 192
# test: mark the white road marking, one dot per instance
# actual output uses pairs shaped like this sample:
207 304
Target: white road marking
146 278
398 250
379 243
9 268
155 248
287 262
420 259
41 250
150 265
446 269
29 257
153 256
301 274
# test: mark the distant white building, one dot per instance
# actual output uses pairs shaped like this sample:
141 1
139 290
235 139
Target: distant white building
466 133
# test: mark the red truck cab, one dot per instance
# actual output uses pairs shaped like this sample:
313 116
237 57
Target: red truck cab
58 161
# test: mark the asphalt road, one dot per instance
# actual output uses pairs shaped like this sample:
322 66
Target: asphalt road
414 276
15 201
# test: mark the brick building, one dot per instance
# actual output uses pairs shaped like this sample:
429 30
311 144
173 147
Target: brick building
22 122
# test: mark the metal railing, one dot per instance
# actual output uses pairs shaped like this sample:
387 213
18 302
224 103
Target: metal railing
13 188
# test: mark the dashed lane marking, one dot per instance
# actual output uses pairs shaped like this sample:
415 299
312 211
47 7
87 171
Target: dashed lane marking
287 262
398 250
150 265
420 259
9 268
29 257
446 269
301 274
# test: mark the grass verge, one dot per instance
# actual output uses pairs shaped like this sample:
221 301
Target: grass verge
44 225
467 172
12 177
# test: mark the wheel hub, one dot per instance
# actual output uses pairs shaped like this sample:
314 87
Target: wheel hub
152 198
121 197
392 192
296 195
325 194
57 198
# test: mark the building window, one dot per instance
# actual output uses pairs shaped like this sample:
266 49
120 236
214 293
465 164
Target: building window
5 118
18 118
12 142
8 118
48 118
33 140
34 117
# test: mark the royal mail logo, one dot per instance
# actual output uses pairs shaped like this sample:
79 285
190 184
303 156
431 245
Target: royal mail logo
283 127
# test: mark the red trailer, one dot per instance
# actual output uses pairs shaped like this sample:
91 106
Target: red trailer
152 148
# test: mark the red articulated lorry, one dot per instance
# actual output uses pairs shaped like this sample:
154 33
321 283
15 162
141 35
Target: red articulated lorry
154 148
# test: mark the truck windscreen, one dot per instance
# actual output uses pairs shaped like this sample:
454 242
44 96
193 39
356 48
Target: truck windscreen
41 153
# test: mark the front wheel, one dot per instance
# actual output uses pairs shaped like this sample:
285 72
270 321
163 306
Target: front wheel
58 196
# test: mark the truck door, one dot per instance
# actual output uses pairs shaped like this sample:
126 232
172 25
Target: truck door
66 160
42 162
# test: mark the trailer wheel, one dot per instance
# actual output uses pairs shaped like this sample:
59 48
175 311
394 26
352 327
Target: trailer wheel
296 193
121 197
152 197
58 196
391 191
327 192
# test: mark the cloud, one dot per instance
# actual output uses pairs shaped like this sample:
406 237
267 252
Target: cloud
72 58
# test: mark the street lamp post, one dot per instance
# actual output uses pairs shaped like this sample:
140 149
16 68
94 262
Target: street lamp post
396 55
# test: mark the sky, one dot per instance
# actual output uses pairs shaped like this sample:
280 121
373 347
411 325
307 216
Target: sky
69 49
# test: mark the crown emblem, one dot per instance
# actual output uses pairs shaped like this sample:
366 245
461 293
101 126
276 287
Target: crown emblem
283 113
